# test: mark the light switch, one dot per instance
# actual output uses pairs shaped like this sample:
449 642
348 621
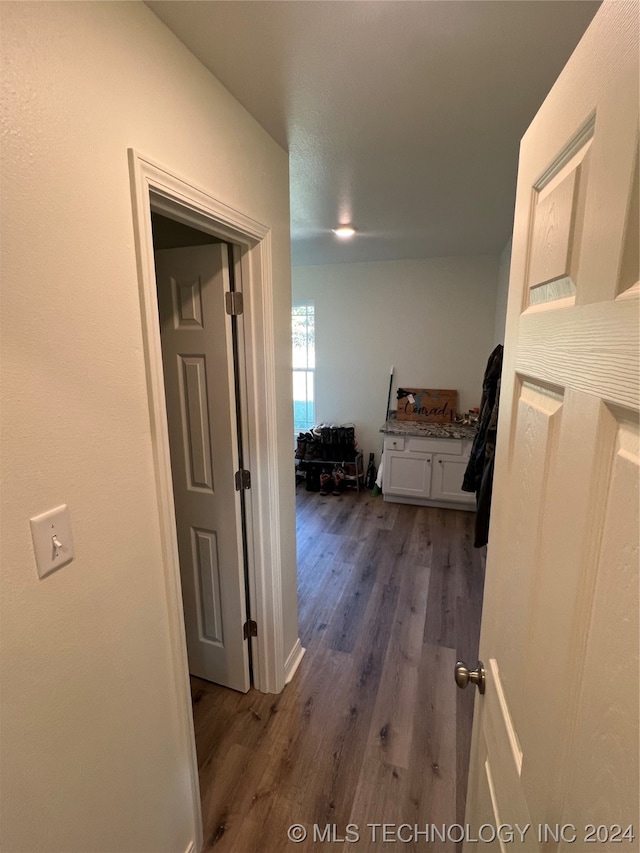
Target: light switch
52 539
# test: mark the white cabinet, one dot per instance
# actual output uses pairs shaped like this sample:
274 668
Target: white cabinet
448 472
426 471
407 474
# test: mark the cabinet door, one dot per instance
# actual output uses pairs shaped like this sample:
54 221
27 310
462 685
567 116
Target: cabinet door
407 474
446 481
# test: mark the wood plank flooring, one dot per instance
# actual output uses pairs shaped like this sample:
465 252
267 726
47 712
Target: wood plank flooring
372 729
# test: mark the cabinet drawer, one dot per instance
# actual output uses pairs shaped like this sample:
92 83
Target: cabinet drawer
451 446
394 442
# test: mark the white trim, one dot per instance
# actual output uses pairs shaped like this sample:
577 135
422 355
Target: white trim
293 661
191 205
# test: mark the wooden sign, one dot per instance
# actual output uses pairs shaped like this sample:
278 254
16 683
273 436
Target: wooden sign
427 404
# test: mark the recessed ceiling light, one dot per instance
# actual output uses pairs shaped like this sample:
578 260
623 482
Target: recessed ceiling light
344 232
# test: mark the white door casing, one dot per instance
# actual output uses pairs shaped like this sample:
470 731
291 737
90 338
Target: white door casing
198 361
153 185
555 739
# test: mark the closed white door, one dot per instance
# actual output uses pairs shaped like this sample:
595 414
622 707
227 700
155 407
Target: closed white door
555 741
197 355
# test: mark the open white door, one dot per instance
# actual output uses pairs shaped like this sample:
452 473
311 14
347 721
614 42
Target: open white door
555 739
197 355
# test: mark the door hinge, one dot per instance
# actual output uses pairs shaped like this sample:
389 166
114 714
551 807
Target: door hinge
250 629
243 479
233 302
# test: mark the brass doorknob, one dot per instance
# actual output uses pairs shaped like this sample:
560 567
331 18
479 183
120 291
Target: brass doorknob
464 675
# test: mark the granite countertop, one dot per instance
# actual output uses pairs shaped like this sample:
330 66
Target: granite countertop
426 430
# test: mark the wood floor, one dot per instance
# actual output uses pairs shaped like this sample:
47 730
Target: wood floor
372 729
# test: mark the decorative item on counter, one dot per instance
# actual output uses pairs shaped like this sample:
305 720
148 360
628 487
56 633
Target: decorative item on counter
427 404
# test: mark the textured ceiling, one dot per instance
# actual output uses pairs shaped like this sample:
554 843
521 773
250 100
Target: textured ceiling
402 117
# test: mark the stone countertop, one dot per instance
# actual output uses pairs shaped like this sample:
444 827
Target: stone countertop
427 430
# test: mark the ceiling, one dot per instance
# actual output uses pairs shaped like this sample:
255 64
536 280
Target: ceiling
402 117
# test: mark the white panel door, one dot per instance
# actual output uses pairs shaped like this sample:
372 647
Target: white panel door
555 740
197 355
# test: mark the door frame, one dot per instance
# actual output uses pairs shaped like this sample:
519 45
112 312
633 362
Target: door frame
154 186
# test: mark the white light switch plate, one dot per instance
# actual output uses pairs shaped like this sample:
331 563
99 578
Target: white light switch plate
52 539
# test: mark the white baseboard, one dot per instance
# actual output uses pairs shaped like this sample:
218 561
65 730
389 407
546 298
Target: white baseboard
293 661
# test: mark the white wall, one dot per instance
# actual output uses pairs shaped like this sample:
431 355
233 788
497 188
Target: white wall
433 320
91 752
501 295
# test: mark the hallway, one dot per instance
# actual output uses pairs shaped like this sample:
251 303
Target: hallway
372 729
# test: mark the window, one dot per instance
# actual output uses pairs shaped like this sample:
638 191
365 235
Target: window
304 362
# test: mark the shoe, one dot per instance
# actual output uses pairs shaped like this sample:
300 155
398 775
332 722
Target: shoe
312 450
325 483
338 481
301 447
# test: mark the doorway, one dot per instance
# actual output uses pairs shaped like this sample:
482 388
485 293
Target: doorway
156 188
153 186
199 293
